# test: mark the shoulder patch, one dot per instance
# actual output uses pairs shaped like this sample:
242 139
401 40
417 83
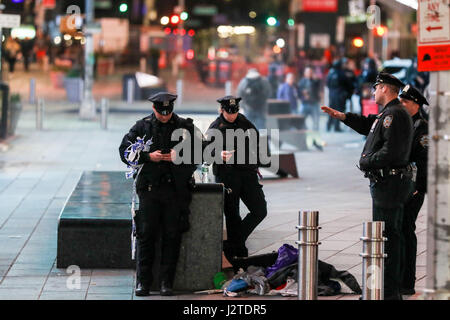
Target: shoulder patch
424 141
388 121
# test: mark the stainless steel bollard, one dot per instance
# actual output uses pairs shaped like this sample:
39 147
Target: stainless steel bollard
104 113
40 114
373 260
130 91
308 258
228 88
32 98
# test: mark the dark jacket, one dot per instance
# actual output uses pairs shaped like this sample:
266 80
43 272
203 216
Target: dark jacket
160 133
389 136
251 151
419 150
309 90
340 86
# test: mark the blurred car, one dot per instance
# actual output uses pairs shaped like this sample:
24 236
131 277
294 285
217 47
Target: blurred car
398 67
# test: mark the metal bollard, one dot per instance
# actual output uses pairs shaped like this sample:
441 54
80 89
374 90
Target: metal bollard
228 88
308 261
32 98
130 91
373 260
40 114
179 93
104 113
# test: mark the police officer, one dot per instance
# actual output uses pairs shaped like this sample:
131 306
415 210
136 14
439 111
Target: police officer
385 161
240 179
413 101
164 191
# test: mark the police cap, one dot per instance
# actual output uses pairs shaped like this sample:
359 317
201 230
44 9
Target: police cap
411 93
229 103
163 102
386 78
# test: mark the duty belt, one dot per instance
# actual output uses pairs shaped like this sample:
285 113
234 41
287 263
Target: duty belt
382 173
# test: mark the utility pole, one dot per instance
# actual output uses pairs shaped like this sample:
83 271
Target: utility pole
87 108
438 227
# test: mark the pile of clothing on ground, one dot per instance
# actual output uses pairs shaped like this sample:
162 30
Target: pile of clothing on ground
276 274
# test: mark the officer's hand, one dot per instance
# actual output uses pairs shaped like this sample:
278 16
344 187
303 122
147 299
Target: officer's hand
171 156
333 113
226 155
156 156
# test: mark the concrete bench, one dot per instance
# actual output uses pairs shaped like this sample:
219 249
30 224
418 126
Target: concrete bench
94 230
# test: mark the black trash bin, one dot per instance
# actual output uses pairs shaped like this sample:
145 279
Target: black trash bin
4 92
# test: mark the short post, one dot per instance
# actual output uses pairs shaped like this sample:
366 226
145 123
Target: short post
308 261
40 114
32 98
104 113
373 260
228 88
130 91
179 92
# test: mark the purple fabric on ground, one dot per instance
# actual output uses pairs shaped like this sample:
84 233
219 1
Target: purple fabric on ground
287 255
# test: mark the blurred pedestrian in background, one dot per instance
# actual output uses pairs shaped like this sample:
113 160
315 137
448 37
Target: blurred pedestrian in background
340 88
309 91
273 80
416 78
27 49
254 90
12 52
366 79
288 91
41 47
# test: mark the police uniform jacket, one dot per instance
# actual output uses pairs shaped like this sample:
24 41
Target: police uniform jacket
251 151
419 150
160 133
389 137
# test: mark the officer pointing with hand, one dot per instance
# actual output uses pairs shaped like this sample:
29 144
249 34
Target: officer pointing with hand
385 161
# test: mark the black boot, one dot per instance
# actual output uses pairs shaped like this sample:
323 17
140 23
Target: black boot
166 289
142 290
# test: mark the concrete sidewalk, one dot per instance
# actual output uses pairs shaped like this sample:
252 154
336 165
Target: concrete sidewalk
39 169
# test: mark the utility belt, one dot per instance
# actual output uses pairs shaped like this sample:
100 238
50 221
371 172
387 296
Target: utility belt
409 171
166 179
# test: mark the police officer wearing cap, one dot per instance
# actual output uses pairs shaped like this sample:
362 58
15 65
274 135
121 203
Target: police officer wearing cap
164 191
413 101
385 161
240 179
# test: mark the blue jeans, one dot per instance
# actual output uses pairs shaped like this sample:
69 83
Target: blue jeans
312 109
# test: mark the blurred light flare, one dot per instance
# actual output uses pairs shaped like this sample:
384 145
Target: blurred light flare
164 20
358 42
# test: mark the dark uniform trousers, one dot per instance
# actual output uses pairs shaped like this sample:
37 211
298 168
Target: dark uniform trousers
244 185
158 212
389 195
408 268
